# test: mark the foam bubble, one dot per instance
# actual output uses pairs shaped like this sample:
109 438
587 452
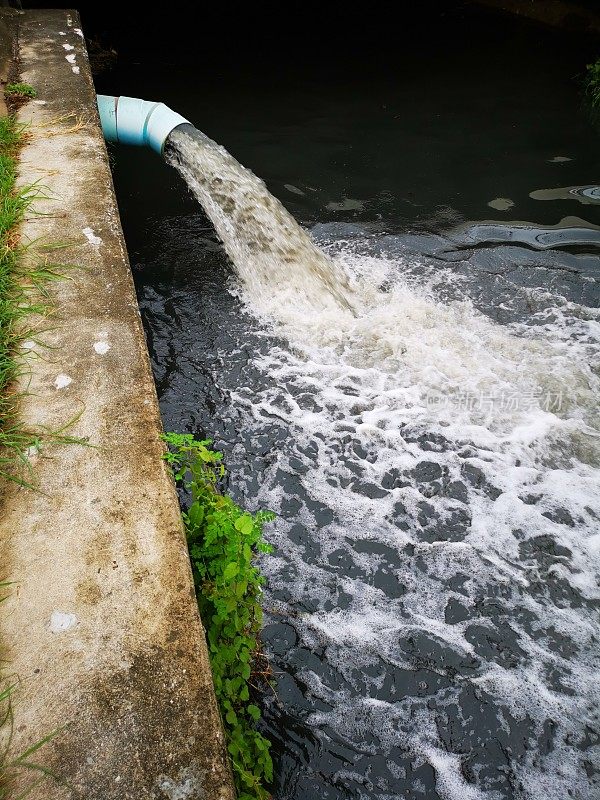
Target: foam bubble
493 486
436 476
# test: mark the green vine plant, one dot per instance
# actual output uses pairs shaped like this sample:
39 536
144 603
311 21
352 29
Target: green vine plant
592 84
223 542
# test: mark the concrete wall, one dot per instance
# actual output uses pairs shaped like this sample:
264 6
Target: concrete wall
102 627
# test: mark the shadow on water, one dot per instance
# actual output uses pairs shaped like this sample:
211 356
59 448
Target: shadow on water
431 613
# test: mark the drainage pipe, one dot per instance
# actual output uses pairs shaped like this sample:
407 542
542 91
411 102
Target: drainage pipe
133 121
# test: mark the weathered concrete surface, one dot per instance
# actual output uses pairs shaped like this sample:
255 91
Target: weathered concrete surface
102 628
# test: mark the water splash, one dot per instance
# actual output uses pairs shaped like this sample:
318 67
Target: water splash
434 592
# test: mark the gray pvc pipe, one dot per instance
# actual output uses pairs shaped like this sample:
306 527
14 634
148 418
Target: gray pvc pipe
133 121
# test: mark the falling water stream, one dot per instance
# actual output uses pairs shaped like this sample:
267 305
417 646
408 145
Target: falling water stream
263 240
432 601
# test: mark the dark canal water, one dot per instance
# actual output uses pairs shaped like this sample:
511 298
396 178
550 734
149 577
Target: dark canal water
432 603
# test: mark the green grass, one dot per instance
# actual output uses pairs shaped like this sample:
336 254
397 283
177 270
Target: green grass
14 441
15 303
20 90
23 294
223 541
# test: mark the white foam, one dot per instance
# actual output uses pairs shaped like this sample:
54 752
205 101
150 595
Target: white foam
371 375
390 373
449 782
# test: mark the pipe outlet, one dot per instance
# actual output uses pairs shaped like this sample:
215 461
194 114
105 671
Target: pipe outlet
133 121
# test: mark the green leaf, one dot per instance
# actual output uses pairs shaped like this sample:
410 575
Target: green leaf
233 749
254 712
195 514
244 524
230 571
231 717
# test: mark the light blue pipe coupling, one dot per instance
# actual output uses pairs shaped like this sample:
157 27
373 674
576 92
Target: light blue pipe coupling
133 121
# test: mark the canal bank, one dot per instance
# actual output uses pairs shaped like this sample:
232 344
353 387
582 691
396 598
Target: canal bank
101 628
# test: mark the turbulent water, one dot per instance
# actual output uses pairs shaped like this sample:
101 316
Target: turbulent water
433 597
